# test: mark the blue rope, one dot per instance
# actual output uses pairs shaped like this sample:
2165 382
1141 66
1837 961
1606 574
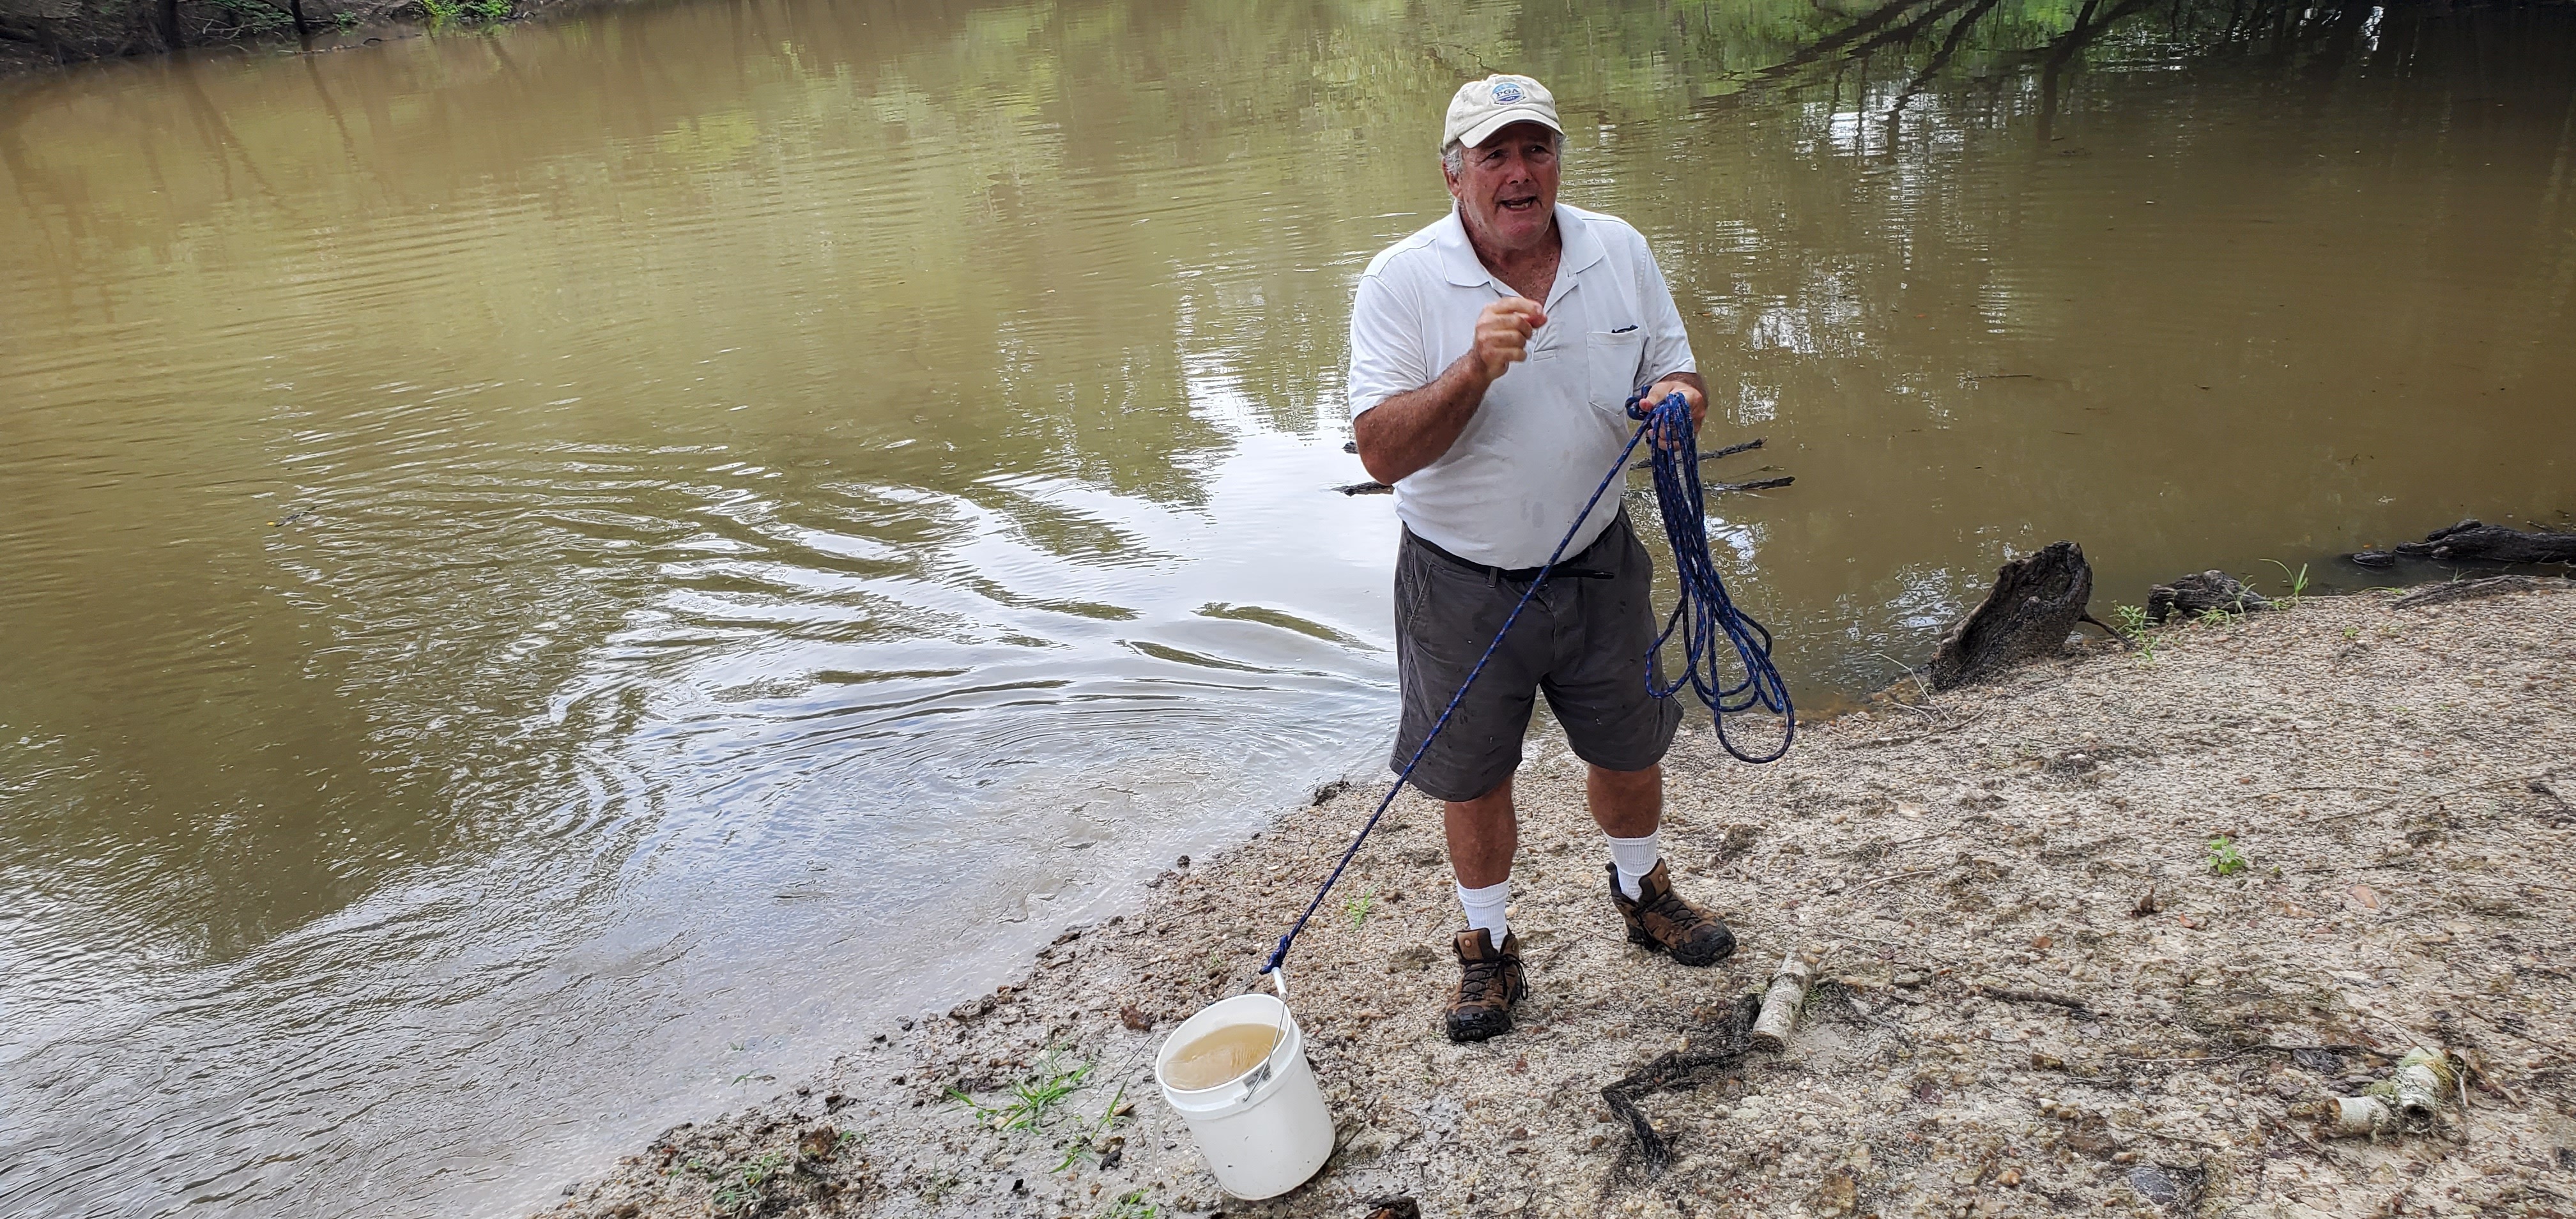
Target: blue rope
1676 463
1705 615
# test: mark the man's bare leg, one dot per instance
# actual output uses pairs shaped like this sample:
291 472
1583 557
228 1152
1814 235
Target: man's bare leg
1627 803
1483 834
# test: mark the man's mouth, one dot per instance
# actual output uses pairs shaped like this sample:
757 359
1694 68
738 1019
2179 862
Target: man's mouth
1517 205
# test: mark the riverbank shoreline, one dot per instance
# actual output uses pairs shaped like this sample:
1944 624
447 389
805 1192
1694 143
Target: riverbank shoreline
31 49
2043 995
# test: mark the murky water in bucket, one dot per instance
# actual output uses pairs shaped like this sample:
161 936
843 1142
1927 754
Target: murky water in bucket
1227 1054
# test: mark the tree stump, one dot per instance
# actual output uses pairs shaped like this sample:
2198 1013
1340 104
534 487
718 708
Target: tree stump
2194 595
2036 602
2473 540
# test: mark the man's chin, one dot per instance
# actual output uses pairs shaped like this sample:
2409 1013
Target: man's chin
1516 227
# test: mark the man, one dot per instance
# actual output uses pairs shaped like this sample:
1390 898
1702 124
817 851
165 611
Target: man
1492 356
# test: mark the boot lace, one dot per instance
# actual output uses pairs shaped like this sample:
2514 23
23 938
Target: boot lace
1478 978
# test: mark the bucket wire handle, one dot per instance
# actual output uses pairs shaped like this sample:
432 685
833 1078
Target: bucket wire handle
1253 1079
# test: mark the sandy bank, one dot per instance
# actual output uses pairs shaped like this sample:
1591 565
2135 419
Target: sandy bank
2398 782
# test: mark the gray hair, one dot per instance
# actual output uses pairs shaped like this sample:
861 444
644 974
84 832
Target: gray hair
1453 155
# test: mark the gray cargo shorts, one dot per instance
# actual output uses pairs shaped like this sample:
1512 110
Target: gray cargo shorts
1583 640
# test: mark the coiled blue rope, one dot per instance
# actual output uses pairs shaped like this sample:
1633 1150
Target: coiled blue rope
1705 609
1704 616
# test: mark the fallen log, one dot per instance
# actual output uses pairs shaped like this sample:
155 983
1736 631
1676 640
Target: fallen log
2201 593
2475 541
2468 590
2036 602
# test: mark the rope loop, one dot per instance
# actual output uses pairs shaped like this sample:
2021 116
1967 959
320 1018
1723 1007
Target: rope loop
1705 617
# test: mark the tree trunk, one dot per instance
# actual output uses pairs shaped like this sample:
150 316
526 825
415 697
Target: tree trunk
167 13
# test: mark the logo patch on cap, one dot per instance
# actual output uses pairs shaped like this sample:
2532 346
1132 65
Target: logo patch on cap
1507 92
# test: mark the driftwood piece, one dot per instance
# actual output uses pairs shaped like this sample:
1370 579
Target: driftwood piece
2412 1094
2467 590
2037 600
1759 484
2476 541
1711 455
1675 1071
2199 593
1788 992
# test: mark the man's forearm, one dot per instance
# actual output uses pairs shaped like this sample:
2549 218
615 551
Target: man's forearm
1411 430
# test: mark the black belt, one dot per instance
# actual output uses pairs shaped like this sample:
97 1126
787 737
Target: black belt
1519 575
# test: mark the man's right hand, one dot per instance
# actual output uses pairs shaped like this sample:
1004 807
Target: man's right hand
1502 335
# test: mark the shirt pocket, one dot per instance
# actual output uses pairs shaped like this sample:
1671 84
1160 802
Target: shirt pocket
1612 358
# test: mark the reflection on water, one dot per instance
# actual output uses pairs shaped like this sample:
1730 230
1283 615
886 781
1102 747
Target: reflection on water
554 573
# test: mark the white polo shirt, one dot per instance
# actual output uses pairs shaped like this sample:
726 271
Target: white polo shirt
1548 429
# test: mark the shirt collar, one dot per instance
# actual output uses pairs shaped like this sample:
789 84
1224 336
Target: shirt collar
1458 257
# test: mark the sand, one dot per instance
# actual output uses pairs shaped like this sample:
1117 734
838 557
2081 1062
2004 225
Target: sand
2001 1032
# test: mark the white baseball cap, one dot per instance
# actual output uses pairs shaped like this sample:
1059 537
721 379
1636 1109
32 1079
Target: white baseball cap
1483 107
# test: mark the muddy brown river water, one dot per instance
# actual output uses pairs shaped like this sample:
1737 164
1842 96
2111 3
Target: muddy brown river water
557 577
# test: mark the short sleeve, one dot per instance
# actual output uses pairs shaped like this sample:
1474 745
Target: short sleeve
1387 356
1667 344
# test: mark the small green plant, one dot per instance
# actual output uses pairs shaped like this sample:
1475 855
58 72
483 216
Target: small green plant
1358 908
491 10
2131 622
2298 582
442 11
345 19
2223 857
2214 615
1132 1205
1084 1134
1031 1099
740 1192
2351 633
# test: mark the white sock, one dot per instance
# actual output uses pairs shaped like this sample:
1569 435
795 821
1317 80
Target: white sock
1635 857
1485 908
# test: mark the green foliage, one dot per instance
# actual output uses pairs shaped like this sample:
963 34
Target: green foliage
739 1192
257 18
447 12
1132 1205
1031 1099
1358 908
2298 582
1079 1146
2131 622
2223 857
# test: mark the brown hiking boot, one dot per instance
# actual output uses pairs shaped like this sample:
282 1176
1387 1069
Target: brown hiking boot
1661 920
1489 982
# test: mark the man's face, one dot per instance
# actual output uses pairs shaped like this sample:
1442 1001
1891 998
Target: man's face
1506 190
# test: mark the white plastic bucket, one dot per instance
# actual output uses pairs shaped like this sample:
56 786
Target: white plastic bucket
1263 1134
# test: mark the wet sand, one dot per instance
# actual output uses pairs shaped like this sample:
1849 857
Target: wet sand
2003 1032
